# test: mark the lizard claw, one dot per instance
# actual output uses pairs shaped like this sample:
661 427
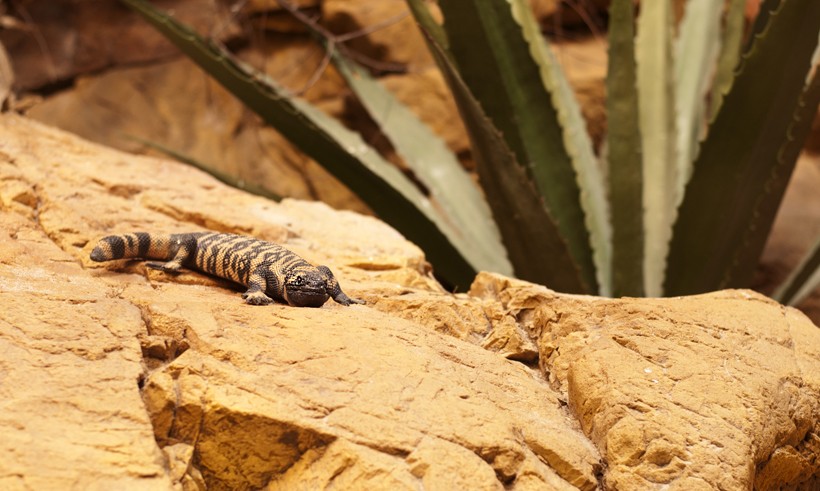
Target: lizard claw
256 298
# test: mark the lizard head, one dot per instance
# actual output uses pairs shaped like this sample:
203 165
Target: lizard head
304 288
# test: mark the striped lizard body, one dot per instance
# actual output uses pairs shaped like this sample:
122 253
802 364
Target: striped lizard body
269 271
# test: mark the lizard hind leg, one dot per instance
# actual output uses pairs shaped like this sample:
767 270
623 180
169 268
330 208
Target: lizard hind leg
172 267
181 248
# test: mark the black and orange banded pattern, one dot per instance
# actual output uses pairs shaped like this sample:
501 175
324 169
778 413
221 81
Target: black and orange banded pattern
268 270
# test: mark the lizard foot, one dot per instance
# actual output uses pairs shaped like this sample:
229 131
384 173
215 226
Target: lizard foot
256 298
345 300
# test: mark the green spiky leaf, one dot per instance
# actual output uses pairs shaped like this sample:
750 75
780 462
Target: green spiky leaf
653 52
528 229
513 95
577 142
729 54
747 159
624 154
696 51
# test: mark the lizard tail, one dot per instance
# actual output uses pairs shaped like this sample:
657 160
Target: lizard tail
135 245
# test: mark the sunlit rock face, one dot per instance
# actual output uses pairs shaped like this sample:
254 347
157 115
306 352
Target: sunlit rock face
117 376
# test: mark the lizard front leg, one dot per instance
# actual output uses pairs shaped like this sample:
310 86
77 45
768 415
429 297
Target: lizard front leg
258 283
334 290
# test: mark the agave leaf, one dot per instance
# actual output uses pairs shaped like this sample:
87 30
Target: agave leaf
803 280
761 21
431 28
696 51
496 62
342 152
764 214
729 54
434 165
527 227
228 179
624 144
577 143
653 52
748 156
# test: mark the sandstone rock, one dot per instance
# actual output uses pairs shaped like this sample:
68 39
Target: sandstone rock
389 33
140 380
243 397
271 16
705 392
260 6
71 411
60 39
207 124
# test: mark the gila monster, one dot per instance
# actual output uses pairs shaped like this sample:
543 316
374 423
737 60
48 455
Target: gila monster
269 271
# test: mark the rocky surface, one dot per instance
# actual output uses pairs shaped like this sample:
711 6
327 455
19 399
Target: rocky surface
671 390
207 124
234 396
117 376
53 42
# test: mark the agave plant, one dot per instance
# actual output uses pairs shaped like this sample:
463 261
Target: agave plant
703 136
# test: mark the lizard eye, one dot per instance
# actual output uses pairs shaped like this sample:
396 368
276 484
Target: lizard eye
298 280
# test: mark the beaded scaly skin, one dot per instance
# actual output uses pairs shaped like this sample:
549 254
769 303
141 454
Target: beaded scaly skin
269 271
